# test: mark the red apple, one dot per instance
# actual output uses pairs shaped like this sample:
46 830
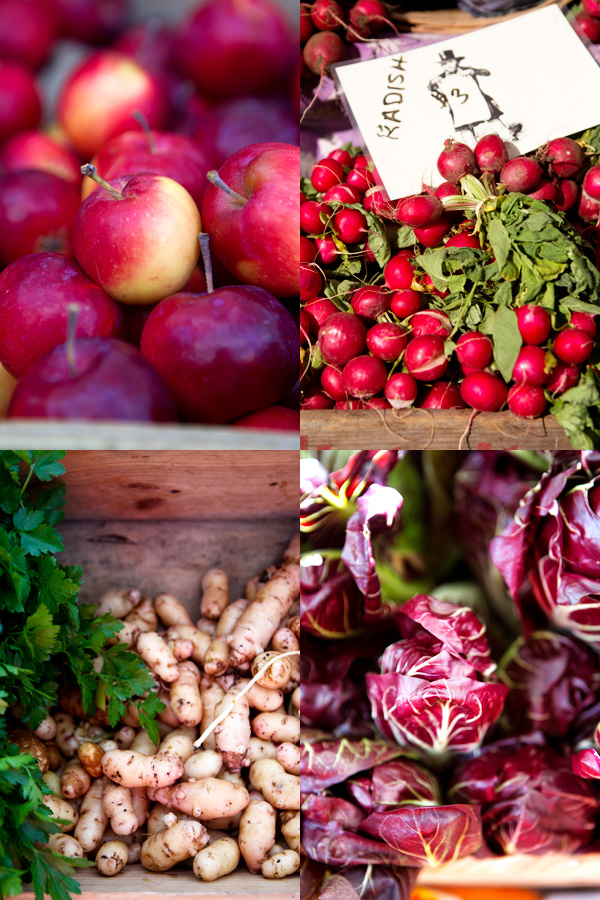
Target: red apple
92 378
91 21
37 212
98 98
161 152
35 293
20 104
233 47
233 124
254 226
279 418
38 150
27 31
223 354
137 237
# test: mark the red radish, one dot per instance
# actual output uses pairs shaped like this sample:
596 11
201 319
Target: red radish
379 202
483 391
433 235
521 174
587 26
428 284
364 376
447 189
342 156
401 390
588 209
331 382
318 311
563 377
442 395
327 248
326 15
310 216
546 190
326 173
564 156
463 240
530 366
342 193
592 7
323 49
422 209
399 273
584 321
387 341
534 324
568 194
430 321
308 251
405 303
315 398
306 25
361 179
425 358
369 15
350 225
303 198
377 403
371 301
361 161
455 161
491 153
591 183
527 401
311 283
341 338
474 350
573 345
349 404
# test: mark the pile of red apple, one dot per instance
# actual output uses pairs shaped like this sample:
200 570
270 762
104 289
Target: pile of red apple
370 336
104 310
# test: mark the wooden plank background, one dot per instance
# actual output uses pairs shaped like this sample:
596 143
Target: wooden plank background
445 429
553 870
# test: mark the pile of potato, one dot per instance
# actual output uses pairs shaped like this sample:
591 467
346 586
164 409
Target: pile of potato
235 797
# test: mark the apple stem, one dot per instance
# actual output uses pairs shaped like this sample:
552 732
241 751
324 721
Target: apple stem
139 116
214 178
91 172
72 316
205 250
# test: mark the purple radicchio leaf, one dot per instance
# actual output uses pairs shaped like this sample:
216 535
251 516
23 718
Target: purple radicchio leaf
311 878
423 656
331 606
370 883
325 763
376 515
586 763
395 784
531 800
439 719
553 680
457 627
554 545
329 835
429 836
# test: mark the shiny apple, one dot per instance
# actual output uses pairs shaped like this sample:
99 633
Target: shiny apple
252 215
20 104
39 150
137 237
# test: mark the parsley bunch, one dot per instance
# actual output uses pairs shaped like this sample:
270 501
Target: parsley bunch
45 635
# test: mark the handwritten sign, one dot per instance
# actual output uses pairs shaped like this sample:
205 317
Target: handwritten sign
528 79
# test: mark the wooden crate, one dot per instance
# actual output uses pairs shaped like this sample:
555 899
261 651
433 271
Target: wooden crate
59 434
555 870
157 520
444 429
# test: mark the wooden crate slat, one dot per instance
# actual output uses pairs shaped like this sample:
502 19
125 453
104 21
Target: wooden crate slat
60 435
137 883
446 429
554 870
181 484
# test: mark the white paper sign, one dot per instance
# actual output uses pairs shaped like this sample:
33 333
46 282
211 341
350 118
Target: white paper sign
528 79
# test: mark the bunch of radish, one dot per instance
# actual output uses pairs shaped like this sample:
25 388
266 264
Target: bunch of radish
587 21
370 335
